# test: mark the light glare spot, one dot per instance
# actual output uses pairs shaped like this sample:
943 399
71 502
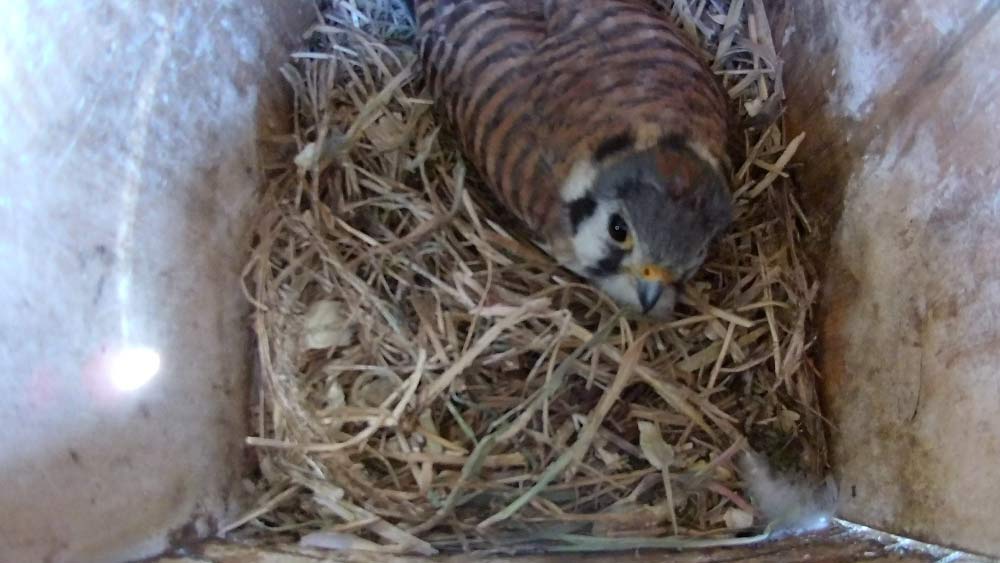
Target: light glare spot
132 368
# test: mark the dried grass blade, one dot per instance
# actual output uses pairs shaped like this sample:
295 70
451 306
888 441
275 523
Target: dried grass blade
586 436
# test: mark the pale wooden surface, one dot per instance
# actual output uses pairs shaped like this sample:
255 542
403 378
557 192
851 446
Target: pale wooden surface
127 151
899 100
827 548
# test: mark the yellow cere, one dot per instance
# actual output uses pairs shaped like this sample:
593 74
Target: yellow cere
652 272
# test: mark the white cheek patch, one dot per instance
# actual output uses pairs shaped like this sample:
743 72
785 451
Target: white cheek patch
591 238
581 177
621 289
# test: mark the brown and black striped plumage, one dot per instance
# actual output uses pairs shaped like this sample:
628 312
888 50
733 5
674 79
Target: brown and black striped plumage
590 119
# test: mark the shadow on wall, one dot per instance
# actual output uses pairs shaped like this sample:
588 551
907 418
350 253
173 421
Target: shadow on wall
128 162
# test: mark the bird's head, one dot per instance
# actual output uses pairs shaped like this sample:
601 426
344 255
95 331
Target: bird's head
642 226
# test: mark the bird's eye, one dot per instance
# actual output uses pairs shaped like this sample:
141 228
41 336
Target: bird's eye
617 229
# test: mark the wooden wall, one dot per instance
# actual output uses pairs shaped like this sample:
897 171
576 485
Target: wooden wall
900 100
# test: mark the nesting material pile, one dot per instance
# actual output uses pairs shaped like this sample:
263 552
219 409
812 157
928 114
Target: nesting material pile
431 381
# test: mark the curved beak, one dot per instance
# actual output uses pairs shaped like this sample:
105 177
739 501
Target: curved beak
652 281
649 293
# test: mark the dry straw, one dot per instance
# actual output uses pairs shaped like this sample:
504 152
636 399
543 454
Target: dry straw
430 381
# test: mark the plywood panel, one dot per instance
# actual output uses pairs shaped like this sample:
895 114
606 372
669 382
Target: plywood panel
900 102
831 547
127 146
